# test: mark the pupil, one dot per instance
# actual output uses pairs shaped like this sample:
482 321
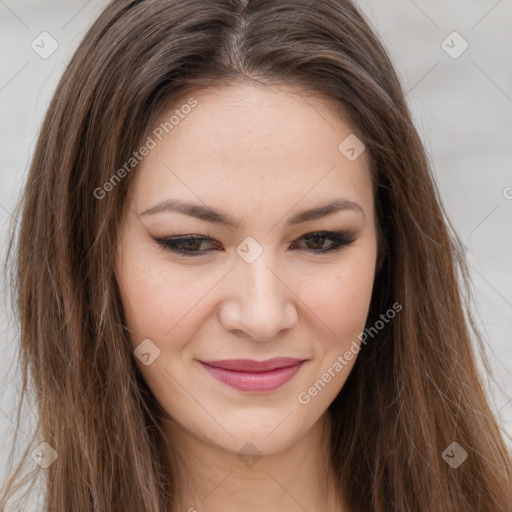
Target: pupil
193 243
317 238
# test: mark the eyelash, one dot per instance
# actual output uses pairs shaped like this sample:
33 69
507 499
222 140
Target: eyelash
341 239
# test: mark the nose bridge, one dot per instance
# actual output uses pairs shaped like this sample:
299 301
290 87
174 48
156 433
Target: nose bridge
258 277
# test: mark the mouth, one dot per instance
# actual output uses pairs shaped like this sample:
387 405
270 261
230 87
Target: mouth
254 376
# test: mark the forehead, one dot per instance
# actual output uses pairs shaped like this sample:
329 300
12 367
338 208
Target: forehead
242 140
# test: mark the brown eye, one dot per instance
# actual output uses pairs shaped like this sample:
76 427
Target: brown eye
184 245
315 241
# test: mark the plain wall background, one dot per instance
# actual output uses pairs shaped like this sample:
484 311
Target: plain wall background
462 108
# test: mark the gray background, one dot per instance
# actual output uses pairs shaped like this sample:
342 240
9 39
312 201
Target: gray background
462 108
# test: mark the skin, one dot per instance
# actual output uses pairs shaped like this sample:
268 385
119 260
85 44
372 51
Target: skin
260 155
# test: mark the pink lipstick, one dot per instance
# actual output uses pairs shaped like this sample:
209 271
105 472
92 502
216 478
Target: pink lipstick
249 375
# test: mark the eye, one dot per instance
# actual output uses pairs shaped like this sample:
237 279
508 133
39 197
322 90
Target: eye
189 245
339 240
184 245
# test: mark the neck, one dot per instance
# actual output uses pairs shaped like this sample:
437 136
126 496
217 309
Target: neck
210 479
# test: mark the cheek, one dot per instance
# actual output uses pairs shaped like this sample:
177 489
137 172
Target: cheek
164 301
160 301
339 300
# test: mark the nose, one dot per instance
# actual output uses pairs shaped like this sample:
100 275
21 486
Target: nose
260 304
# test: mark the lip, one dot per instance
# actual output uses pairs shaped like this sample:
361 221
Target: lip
256 376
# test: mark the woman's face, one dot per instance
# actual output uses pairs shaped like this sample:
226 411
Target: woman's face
263 159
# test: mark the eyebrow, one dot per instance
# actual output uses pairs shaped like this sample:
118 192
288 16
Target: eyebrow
209 215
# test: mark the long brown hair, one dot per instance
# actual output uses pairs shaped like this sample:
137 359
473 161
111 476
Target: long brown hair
415 388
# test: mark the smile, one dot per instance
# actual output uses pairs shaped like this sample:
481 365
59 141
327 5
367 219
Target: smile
254 376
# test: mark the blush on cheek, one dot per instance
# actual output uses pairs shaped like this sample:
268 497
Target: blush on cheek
158 294
168 313
339 303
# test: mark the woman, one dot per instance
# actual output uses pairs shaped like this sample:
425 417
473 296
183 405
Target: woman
236 283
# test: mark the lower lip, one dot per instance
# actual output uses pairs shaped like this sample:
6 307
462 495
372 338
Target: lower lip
254 381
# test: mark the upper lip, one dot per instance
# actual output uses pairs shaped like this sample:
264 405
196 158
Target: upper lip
249 365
